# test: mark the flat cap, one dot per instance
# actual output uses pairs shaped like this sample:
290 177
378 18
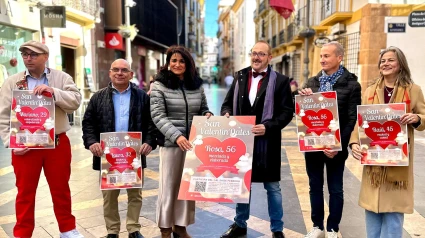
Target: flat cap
35 46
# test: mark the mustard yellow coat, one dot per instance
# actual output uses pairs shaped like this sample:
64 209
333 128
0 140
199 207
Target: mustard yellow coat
381 199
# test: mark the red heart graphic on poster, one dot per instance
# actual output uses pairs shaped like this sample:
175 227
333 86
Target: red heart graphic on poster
121 159
317 121
337 135
32 119
135 135
13 103
329 94
398 107
139 172
359 119
220 156
247 179
246 119
52 133
405 149
383 134
46 94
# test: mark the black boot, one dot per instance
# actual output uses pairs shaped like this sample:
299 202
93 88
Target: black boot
112 236
278 234
135 234
234 231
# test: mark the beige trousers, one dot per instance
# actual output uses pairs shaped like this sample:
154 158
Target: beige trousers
110 210
169 210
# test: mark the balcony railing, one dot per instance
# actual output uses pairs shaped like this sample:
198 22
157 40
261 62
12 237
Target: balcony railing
255 13
274 41
87 6
281 37
330 7
262 7
292 31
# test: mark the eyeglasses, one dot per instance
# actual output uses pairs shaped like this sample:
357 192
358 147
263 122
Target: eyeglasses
255 54
123 70
32 55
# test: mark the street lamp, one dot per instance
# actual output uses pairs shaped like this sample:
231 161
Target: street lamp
128 4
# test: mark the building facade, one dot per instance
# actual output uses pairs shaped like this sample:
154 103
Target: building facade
225 36
244 37
209 64
360 26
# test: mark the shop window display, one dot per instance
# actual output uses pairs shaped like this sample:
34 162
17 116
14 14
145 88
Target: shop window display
10 58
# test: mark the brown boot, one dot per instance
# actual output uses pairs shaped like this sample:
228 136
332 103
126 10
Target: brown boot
180 232
166 232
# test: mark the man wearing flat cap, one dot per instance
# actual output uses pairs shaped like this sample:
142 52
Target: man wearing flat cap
56 163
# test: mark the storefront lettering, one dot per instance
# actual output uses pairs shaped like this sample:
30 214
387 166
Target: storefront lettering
53 16
5 7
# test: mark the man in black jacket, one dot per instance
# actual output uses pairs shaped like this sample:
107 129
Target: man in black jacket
119 107
333 77
266 94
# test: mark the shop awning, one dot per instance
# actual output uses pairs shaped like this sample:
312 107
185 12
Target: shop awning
283 7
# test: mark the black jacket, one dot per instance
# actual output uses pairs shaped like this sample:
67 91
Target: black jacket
348 92
99 118
282 115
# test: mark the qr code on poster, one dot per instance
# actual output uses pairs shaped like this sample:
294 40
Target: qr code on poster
390 154
319 140
111 179
200 186
21 138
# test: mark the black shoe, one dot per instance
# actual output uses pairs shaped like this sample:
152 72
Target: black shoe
112 236
234 231
278 234
135 234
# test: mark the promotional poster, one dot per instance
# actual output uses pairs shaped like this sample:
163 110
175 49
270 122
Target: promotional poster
32 120
219 166
383 139
120 163
318 122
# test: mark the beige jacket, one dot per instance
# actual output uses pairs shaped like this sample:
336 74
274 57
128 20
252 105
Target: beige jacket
381 199
67 100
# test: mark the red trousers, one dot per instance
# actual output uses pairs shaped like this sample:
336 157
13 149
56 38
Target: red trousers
56 164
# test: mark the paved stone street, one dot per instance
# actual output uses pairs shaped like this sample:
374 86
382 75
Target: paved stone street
211 218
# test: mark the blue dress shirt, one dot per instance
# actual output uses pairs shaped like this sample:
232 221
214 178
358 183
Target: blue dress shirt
34 82
121 108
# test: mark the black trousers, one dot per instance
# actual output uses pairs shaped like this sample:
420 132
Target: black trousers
315 164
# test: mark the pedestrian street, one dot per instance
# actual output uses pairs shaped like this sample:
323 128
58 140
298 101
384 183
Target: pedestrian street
212 219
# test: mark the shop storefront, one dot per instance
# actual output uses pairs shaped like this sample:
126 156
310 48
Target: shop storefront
17 26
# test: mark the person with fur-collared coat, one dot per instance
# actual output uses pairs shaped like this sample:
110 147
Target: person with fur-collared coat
176 96
389 194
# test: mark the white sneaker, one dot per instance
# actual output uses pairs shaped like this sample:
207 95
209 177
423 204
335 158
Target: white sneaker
332 234
315 233
71 234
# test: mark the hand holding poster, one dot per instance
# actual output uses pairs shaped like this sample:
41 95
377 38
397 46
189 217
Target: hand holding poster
120 162
218 168
32 120
318 122
383 139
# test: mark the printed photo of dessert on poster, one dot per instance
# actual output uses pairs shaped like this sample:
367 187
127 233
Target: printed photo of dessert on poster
32 120
383 139
318 122
219 167
121 163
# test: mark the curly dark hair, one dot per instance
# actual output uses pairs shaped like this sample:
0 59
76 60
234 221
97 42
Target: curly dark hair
190 72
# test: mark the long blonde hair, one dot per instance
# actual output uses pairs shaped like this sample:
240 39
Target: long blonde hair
404 77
